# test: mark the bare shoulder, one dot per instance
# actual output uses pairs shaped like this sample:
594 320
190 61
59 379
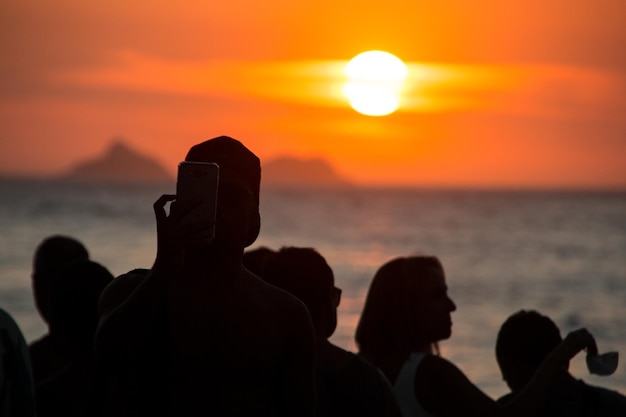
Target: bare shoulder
119 289
434 377
278 305
443 389
438 370
274 297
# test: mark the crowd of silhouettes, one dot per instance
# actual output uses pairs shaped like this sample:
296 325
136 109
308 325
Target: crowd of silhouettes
216 328
407 312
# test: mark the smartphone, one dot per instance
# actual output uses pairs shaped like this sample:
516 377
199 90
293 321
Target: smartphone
198 181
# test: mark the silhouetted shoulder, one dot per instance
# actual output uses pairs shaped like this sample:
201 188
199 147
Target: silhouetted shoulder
274 291
605 402
575 397
354 387
276 300
437 381
11 331
16 381
117 291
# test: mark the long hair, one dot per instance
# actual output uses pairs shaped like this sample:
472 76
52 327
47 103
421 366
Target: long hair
387 324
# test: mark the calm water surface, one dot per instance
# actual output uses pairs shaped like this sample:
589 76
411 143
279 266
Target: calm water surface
562 253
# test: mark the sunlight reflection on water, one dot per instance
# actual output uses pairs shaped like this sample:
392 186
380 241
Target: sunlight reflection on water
562 253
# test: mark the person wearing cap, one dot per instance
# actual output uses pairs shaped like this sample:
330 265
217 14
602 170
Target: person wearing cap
198 334
524 340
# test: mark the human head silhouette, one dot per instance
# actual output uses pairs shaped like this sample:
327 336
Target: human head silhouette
239 179
256 259
74 301
524 340
407 308
304 273
52 255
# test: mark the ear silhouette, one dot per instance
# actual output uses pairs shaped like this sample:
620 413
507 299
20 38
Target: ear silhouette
254 228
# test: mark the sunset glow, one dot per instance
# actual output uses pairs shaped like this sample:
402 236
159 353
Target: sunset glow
375 81
504 94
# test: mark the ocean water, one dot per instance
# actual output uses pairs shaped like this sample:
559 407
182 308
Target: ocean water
561 252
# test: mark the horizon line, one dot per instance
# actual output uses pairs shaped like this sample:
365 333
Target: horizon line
58 179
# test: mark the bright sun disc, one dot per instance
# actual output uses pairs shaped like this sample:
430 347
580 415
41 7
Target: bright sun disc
375 82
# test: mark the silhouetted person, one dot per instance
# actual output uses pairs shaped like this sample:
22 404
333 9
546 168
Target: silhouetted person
16 380
407 311
525 339
52 255
200 334
346 384
115 385
74 309
255 259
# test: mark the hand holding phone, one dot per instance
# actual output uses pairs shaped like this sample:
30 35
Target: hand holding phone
196 189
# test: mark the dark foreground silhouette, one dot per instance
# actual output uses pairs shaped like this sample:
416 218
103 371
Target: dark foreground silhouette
525 339
74 309
17 389
48 355
346 384
256 259
199 334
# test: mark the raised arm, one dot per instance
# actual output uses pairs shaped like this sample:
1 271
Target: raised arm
129 306
528 401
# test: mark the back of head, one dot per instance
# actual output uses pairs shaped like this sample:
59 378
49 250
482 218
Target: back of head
524 340
234 160
229 154
52 255
304 273
386 323
256 259
74 301
121 287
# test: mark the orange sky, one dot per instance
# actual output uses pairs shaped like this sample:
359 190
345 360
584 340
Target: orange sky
500 93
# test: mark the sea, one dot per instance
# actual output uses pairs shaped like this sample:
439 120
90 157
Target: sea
560 252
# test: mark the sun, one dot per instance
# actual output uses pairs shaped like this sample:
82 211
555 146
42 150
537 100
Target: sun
375 82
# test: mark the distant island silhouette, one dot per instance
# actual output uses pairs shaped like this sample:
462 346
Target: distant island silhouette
122 164
294 172
119 164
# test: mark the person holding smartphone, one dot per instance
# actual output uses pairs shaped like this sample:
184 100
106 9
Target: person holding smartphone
198 334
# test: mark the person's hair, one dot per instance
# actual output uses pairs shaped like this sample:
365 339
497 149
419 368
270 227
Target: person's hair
256 259
230 154
387 322
52 255
304 273
55 252
74 301
526 337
